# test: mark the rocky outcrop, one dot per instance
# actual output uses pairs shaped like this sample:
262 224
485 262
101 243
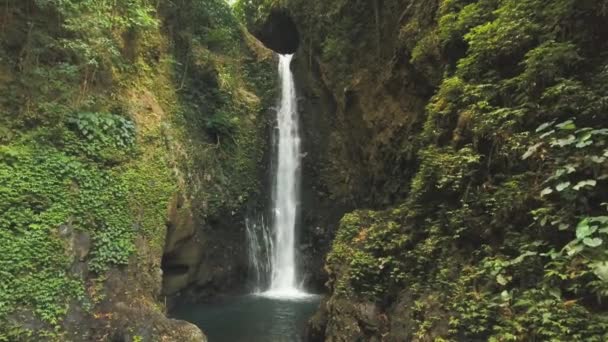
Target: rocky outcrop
278 32
209 261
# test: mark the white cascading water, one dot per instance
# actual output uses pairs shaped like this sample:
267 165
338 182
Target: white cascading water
260 245
283 281
272 251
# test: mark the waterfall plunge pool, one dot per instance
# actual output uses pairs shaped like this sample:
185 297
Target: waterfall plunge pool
251 318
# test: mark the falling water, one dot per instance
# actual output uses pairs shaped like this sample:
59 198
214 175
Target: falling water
272 252
260 246
285 188
278 309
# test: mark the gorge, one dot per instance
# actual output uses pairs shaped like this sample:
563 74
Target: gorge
193 170
279 307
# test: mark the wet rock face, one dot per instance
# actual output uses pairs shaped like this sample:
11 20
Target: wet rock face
202 259
151 325
279 32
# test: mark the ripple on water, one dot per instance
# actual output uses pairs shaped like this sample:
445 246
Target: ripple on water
265 317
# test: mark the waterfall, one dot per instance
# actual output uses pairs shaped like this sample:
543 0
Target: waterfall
273 255
259 240
285 187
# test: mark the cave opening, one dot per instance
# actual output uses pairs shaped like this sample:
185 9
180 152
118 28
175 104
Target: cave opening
279 32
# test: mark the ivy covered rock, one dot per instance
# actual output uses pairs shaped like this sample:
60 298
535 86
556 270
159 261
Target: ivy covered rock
129 129
475 130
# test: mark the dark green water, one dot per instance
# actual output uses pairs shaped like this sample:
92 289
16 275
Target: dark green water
250 318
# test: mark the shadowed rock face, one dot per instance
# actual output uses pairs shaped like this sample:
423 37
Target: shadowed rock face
279 33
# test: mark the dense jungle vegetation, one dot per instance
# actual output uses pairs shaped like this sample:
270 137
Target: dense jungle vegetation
110 109
466 142
494 226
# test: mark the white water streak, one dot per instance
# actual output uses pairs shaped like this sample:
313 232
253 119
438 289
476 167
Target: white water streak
278 254
260 247
285 189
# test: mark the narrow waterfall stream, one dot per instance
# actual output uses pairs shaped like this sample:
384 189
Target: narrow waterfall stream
285 189
278 308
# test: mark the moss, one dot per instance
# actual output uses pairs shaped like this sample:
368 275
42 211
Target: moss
150 186
103 126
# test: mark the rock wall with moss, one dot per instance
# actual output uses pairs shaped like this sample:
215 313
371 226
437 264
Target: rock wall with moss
466 140
130 130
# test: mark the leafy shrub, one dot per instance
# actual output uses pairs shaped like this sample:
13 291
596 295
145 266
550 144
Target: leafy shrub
503 249
221 125
368 242
445 171
106 129
101 137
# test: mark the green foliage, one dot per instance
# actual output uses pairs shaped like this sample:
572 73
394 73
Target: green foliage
547 63
49 196
93 23
68 56
107 129
577 158
505 223
456 18
251 12
210 23
77 77
552 319
368 243
221 125
101 137
444 171
226 87
43 192
150 185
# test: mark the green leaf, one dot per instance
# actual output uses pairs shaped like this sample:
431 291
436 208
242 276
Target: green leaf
531 151
521 258
546 191
556 293
544 126
546 134
586 183
501 280
592 242
582 144
567 126
599 219
583 229
571 139
601 270
574 249
562 186
586 137
559 173
570 168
